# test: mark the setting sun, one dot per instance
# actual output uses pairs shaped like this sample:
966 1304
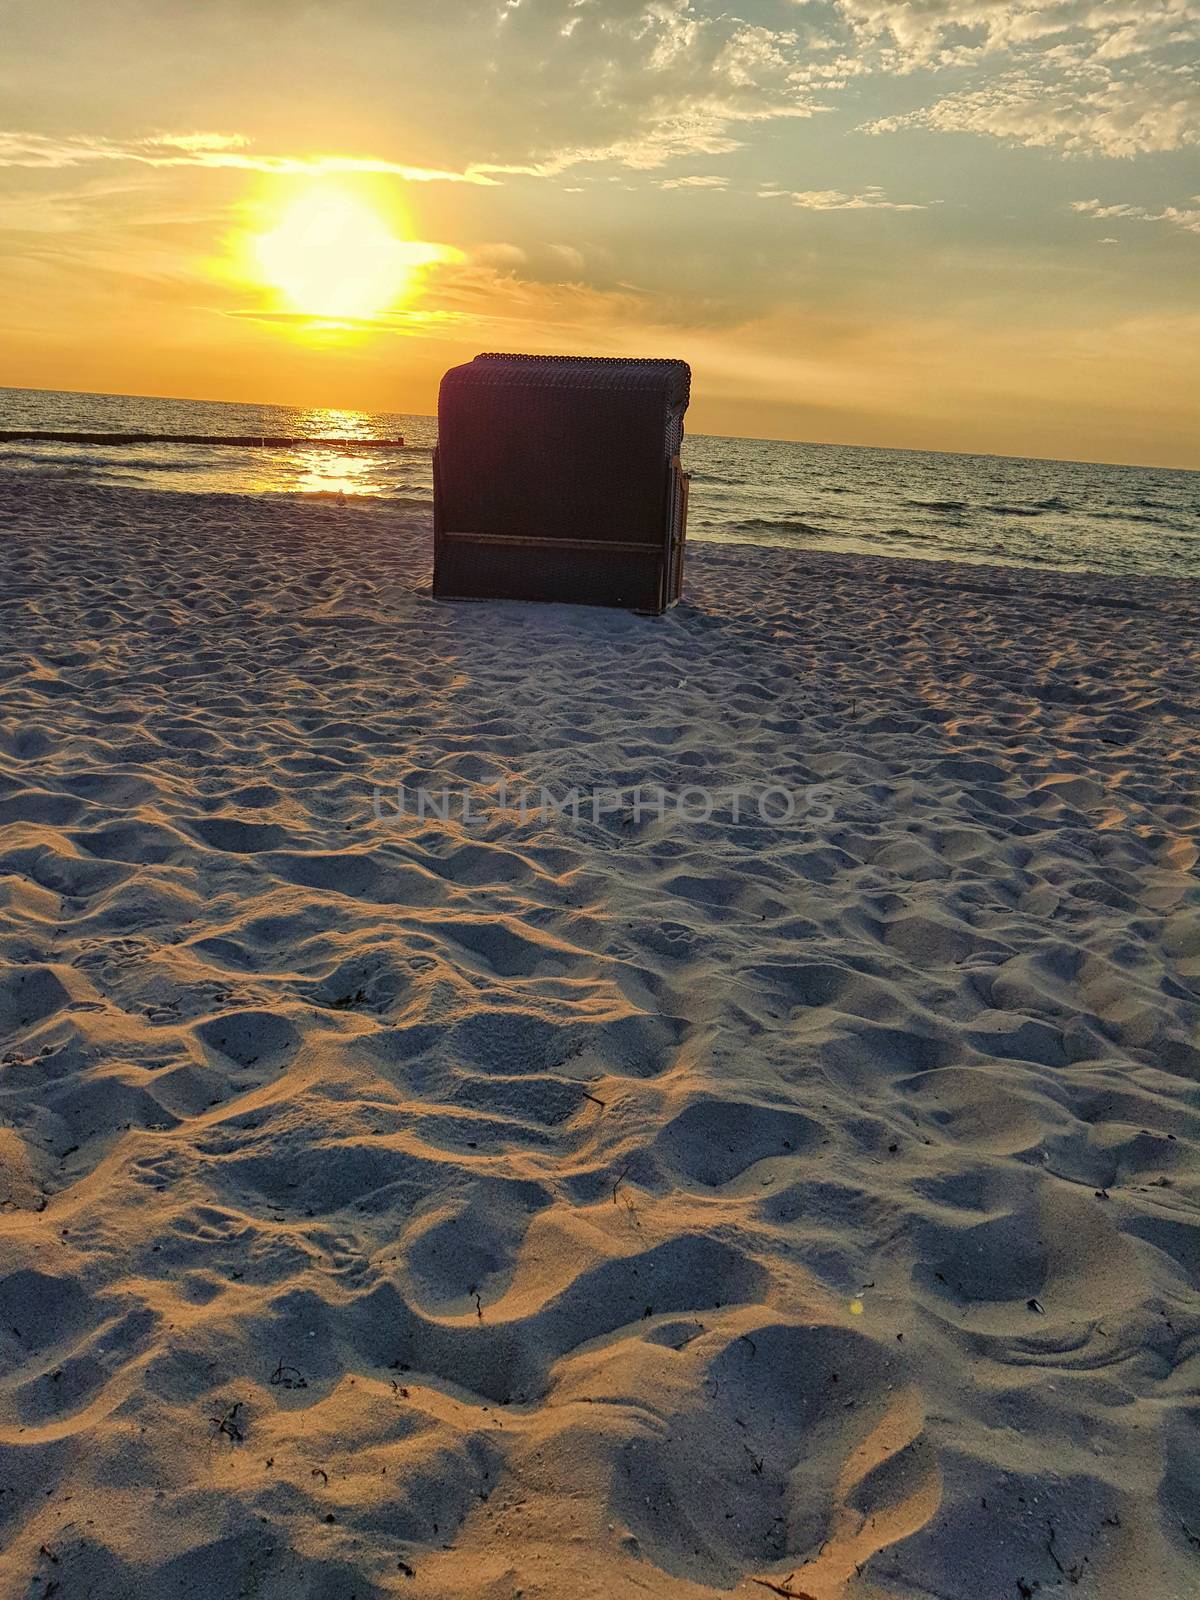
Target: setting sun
334 255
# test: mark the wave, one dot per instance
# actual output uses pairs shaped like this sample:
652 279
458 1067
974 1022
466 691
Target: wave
30 459
907 533
784 525
1132 516
751 492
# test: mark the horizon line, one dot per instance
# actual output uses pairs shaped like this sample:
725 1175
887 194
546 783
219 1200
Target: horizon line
753 438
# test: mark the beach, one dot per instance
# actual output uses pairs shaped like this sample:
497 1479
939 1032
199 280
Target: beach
537 1101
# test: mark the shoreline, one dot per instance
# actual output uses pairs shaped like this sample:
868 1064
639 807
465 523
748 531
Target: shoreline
19 483
1073 518
603 1204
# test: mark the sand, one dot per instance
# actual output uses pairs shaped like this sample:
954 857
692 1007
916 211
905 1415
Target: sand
600 1206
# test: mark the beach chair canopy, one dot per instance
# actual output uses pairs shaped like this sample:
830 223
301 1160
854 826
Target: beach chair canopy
558 478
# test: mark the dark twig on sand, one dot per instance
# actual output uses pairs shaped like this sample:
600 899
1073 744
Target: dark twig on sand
1074 1572
229 1424
285 1377
780 1588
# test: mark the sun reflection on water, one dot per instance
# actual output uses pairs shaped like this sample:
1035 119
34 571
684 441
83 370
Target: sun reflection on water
323 472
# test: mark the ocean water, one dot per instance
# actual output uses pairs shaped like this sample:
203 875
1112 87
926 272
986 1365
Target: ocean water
1072 516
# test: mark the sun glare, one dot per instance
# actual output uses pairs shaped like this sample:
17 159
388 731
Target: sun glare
334 256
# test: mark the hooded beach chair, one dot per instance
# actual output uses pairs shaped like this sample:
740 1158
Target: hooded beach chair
558 478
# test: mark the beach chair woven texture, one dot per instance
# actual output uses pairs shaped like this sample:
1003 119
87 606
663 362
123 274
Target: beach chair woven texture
558 478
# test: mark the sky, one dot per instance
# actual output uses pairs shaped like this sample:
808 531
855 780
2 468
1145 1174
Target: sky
936 224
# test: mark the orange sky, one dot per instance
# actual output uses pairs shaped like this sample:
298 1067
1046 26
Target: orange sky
960 225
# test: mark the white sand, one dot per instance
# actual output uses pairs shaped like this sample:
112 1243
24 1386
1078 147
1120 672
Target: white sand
296 1121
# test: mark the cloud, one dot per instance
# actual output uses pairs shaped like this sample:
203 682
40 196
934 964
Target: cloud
950 32
407 322
1115 78
642 82
695 181
537 87
506 257
569 257
702 131
701 128
1180 216
637 83
870 199
207 150
1116 119
202 142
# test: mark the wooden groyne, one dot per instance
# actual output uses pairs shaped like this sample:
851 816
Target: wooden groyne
253 441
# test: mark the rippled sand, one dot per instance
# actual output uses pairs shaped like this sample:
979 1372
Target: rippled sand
609 1207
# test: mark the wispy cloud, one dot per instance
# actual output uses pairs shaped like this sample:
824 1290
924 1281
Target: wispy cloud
1108 77
869 199
1181 216
924 33
639 83
1112 118
704 127
402 322
223 150
695 181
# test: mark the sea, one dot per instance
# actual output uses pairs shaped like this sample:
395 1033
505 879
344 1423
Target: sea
1064 515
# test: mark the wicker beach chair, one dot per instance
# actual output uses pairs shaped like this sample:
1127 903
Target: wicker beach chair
558 478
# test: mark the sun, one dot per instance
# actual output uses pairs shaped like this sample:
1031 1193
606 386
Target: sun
332 255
